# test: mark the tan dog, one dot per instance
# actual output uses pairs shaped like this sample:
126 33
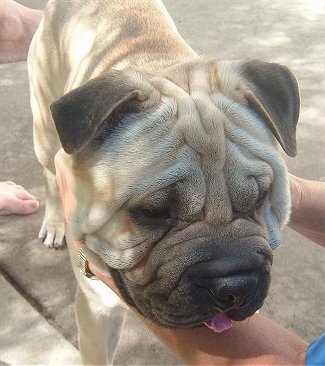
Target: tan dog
180 187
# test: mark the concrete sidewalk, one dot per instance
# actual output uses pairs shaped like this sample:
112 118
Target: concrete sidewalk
37 323
26 336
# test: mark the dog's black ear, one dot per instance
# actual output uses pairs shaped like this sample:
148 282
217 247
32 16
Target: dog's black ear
271 90
79 114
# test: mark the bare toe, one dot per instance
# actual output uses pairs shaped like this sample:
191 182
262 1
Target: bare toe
15 200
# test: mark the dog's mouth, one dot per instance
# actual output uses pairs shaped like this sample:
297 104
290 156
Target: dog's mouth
192 279
219 323
194 304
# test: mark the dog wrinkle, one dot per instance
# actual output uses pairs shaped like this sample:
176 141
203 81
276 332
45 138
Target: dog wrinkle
261 160
206 137
162 259
190 85
259 149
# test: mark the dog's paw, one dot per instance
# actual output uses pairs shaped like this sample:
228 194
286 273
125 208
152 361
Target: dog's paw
52 234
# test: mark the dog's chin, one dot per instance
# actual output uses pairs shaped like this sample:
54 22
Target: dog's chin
198 318
179 315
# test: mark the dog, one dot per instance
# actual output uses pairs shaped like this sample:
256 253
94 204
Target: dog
180 185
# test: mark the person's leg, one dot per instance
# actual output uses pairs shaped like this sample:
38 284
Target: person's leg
17 27
15 200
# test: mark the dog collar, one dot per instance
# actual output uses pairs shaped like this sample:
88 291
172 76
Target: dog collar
83 266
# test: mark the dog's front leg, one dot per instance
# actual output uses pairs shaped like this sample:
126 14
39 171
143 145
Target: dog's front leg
46 145
43 91
99 328
52 229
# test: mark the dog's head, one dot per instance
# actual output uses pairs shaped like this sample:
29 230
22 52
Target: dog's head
180 187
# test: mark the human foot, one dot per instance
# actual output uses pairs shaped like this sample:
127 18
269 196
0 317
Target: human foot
15 200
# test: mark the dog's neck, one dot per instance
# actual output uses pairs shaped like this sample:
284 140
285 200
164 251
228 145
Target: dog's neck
151 56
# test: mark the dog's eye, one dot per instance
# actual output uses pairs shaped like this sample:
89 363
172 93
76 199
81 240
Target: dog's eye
151 216
260 199
156 213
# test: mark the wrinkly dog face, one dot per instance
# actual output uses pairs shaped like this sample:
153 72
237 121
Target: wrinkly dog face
181 191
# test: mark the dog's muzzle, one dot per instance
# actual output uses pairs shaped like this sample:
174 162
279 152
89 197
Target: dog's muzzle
235 286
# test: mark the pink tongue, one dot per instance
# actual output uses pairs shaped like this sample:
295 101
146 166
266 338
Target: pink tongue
219 323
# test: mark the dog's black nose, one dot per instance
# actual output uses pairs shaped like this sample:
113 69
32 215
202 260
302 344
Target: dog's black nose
228 292
232 291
